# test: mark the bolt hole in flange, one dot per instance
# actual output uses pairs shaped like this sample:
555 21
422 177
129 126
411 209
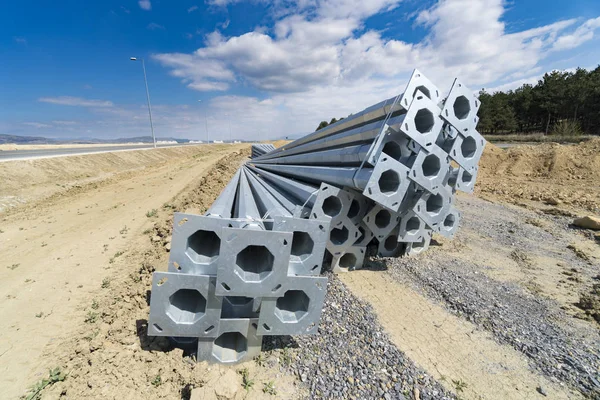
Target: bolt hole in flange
347 261
302 245
391 243
186 306
449 221
424 121
293 306
393 150
466 177
413 225
462 108
237 307
332 206
431 166
389 182
339 236
423 90
354 209
468 147
383 219
254 263
434 204
230 347
203 246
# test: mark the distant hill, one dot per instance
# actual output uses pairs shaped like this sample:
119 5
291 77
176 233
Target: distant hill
24 139
5 139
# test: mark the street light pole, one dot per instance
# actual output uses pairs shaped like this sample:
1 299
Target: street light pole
205 122
229 121
148 97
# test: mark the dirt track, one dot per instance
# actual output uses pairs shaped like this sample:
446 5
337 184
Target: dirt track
69 298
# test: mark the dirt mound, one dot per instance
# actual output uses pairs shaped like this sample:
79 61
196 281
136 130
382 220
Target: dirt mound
551 173
549 160
28 181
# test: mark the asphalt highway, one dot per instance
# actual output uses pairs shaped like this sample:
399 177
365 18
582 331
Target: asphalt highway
11 155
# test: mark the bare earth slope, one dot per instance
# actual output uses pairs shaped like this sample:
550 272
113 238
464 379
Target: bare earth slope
56 254
550 173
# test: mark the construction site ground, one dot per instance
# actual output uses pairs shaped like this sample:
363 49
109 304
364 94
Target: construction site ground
494 313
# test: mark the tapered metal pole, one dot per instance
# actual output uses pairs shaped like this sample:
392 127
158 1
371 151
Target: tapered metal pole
289 202
354 177
149 107
345 156
267 203
363 134
300 191
245 206
223 205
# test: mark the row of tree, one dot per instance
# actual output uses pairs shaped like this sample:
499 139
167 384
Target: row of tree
323 124
558 100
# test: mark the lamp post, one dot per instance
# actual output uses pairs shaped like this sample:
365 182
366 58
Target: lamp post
205 123
229 121
148 97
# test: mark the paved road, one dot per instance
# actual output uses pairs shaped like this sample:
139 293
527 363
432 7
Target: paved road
11 155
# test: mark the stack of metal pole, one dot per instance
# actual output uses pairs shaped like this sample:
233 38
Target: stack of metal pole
396 166
259 149
250 266
245 269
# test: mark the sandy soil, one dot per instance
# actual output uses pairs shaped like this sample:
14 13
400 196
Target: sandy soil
61 256
558 175
28 181
79 249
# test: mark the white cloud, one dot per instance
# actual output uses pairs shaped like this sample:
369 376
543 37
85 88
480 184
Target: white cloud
76 101
65 123
197 73
192 9
319 45
222 3
319 60
37 125
581 35
20 40
154 26
145 5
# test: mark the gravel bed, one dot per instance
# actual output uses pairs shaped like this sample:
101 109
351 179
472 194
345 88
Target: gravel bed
564 349
351 356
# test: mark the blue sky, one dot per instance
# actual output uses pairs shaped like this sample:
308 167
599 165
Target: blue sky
265 68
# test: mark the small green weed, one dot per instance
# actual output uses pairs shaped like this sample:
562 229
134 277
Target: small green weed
285 357
260 360
91 317
269 388
105 283
157 381
247 383
459 385
35 391
152 213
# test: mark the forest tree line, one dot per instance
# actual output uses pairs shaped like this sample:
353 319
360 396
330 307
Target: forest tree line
566 103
